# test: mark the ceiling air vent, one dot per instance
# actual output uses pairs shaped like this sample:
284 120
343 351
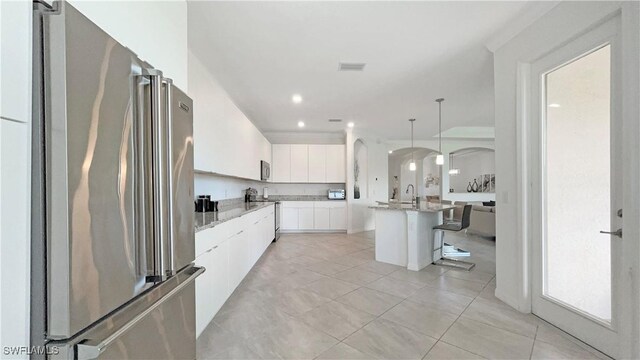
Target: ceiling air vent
335 120
350 66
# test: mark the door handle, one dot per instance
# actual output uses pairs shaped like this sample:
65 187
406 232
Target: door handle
617 233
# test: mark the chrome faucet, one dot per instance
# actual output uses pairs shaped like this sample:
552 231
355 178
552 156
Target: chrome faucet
413 191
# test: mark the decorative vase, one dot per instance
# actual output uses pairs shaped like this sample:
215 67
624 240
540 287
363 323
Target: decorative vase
356 191
469 187
475 186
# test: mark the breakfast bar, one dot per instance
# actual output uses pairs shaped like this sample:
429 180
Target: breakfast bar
404 233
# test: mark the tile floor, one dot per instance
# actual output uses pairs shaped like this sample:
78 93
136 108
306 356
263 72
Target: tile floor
323 296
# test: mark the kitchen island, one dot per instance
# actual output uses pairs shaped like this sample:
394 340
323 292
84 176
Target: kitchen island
404 234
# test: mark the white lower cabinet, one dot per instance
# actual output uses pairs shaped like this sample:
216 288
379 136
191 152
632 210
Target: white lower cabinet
212 288
228 251
321 218
314 215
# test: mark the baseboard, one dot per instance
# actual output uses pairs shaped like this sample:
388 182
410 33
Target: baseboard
313 231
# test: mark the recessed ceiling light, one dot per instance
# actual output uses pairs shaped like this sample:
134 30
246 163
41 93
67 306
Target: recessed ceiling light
554 105
296 98
390 151
351 124
301 124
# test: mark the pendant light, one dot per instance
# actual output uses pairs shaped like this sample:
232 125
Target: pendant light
412 164
440 157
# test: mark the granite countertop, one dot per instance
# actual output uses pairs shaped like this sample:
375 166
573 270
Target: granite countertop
295 198
210 219
424 207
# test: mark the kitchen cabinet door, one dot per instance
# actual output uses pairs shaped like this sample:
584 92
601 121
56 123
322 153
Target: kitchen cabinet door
212 288
289 218
255 234
335 164
305 219
321 218
338 218
238 258
317 163
299 163
15 53
281 163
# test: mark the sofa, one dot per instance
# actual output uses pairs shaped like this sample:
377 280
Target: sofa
483 220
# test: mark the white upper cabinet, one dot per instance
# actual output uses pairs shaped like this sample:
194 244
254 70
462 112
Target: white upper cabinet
335 164
317 163
281 167
299 163
15 53
308 163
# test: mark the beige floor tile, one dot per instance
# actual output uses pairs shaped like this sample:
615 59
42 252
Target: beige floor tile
441 300
215 340
251 322
473 275
552 335
383 339
462 287
422 277
488 341
357 276
331 288
501 316
336 319
372 301
349 260
395 287
236 351
543 351
368 254
298 301
304 260
420 318
292 340
327 268
302 277
379 267
343 351
444 351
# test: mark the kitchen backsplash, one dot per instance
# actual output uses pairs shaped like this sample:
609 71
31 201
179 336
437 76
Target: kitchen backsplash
221 187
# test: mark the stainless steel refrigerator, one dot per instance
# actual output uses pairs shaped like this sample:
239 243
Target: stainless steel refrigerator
117 206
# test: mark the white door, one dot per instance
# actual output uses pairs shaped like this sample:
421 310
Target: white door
577 188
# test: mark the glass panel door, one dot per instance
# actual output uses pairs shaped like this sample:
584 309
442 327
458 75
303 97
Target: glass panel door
577 185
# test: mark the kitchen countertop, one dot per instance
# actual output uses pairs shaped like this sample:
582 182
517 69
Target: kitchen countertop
424 207
296 198
211 219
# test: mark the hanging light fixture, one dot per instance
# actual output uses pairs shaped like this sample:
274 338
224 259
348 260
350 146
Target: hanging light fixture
440 157
412 164
452 169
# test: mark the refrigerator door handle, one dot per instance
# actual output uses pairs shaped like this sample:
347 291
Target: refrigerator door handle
161 220
170 251
92 349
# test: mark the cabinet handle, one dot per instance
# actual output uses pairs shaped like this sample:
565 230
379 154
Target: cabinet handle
256 223
215 247
210 250
241 231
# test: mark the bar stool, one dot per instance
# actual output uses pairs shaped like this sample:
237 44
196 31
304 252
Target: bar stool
446 251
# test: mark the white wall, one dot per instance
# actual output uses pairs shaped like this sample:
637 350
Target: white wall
563 23
471 166
155 30
359 216
225 140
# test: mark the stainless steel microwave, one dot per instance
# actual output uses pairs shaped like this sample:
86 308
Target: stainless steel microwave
265 170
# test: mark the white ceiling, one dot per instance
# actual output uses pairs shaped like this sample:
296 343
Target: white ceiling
263 52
